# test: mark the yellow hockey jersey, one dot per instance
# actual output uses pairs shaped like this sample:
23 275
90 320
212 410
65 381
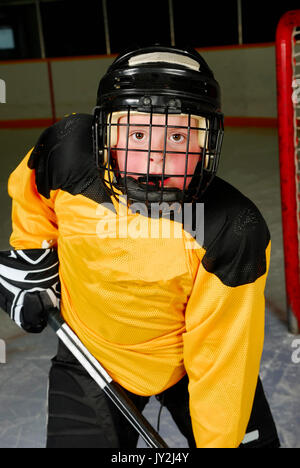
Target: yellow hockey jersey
151 308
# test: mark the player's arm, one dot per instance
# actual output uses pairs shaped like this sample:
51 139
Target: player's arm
34 224
61 159
29 280
225 330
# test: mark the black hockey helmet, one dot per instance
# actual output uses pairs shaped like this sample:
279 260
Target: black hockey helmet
158 80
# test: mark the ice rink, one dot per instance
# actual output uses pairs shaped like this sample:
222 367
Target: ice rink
250 162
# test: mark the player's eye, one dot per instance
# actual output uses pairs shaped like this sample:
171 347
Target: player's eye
138 136
177 138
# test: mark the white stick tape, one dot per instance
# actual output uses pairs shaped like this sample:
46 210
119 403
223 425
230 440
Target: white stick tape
91 365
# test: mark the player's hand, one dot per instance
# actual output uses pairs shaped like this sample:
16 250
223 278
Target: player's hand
29 286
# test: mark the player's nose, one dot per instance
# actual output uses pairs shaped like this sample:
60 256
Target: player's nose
157 146
156 163
156 156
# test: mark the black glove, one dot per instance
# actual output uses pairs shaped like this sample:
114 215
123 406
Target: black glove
29 286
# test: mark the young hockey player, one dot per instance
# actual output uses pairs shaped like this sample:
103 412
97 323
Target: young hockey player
179 316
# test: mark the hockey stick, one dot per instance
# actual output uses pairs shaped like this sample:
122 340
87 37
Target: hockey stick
105 382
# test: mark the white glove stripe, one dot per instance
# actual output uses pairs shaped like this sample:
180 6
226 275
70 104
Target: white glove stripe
10 287
52 296
13 254
19 302
22 254
15 274
17 307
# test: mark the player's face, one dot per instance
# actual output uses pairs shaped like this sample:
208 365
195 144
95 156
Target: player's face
174 143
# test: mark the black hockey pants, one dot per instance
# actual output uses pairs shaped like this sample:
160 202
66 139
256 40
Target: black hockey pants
80 415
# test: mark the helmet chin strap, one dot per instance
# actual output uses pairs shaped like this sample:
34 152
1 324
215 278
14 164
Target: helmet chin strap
151 183
138 190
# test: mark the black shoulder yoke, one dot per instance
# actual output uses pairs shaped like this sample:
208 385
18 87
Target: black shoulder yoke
63 158
235 235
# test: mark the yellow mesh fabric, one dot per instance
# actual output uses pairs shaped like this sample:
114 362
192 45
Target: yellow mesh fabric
125 297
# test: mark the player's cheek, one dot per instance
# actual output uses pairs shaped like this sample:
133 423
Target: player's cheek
119 156
195 153
193 161
178 164
136 161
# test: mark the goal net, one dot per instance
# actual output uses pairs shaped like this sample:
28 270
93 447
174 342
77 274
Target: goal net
288 105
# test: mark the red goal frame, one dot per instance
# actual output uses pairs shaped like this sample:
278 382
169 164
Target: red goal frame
289 156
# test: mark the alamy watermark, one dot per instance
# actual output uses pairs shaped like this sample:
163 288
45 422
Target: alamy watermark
2 352
296 354
154 222
2 92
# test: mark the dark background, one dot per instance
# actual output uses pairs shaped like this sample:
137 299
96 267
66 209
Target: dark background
74 28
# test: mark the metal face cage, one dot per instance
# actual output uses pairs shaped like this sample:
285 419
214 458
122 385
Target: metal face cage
147 186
